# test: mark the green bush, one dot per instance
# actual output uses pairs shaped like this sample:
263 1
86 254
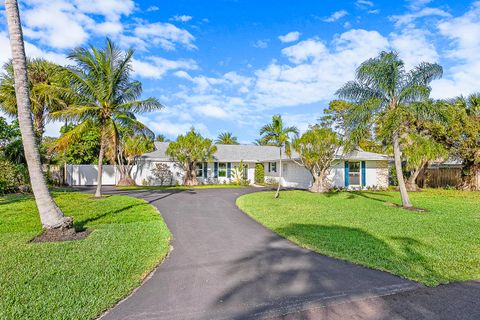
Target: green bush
12 177
259 173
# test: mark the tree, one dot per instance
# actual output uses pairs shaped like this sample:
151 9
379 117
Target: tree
80 149
161 138
382 90
260 142
463 137
279 136
419 151
421 137
335 117
51 217
129 148
188 150
107 98
47 89
226 138
317 149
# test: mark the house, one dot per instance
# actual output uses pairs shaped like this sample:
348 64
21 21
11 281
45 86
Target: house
353 170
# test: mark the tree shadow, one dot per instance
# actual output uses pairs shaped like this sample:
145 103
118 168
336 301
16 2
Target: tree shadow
81 224
376 196
280 278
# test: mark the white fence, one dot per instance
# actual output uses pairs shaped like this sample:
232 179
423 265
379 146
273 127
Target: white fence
86 175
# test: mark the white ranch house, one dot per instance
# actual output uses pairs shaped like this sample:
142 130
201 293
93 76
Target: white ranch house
355 170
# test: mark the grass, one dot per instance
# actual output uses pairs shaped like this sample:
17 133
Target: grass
76 279
434 247
202 186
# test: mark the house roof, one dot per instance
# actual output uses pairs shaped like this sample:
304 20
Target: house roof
253 153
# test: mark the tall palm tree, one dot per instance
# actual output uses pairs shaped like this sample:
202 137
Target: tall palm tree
47 91
226 138
51 216
107 98
276 134
382 91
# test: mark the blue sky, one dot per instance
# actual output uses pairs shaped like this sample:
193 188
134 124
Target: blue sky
225 65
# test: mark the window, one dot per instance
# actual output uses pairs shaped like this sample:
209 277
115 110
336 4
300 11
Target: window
199 169
354 173
272 167
222 169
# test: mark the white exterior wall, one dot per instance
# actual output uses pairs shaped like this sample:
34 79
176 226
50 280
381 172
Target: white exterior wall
296 176
86 175
142 174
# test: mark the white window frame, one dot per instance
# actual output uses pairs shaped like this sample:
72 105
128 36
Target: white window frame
199 166
359 173
220 170
272 167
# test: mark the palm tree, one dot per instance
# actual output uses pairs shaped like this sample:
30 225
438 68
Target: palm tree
46 87
226 138
382 90
108 99
51 216
276 134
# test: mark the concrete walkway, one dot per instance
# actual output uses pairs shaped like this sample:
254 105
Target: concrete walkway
224 265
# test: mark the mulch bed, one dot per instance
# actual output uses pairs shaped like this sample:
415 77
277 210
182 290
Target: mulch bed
58 235
414 209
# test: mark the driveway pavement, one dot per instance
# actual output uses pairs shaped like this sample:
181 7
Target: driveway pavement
224 265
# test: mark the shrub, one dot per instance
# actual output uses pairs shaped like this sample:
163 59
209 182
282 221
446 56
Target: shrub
259 173
12 177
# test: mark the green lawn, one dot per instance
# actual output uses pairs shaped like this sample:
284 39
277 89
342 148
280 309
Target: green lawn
76 279
202 186
438 246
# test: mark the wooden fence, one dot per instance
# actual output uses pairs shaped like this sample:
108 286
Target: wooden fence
441 177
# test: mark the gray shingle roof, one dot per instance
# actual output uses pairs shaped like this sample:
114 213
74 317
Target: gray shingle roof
253 153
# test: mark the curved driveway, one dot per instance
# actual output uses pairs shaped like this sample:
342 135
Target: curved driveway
224 265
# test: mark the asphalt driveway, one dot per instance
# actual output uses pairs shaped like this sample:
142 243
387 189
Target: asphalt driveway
224 265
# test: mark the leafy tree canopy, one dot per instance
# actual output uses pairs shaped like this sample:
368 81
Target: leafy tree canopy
226 138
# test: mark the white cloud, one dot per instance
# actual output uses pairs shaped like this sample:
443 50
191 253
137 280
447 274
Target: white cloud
336 15
157 67
261 44
165 35
64 24
152 8
405 19
111 9
462 32
417 4
304 50
181 18
212 111
290 37
414 47
317 71
109 28
364 4
31 51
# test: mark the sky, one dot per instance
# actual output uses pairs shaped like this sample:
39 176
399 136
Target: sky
229 65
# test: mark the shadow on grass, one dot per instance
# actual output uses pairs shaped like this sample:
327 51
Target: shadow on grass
280 277
15 198
376 196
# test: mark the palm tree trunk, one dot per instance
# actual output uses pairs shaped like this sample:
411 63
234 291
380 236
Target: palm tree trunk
98 191
277 194
50 215
398 167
